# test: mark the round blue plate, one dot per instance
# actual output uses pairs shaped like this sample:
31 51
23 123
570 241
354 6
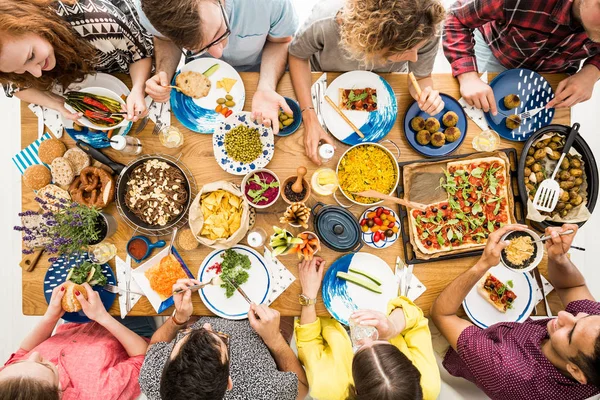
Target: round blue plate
534 91
57 274
288 130
450 104
342 298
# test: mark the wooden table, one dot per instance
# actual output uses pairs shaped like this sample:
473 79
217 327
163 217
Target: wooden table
197 154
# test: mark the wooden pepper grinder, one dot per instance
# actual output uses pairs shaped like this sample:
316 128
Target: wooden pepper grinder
298 186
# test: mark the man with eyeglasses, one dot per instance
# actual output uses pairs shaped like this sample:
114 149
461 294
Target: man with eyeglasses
251 35
551 358
215 358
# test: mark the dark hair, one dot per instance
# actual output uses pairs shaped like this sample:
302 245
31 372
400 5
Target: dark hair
28 389
178 20
197 371
590 365
75 56
382 372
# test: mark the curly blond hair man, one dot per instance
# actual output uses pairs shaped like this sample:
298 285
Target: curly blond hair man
375 35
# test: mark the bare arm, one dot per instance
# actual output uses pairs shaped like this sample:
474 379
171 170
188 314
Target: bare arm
133 343
41 332
167 56
136 101
564 275
46 99
430 100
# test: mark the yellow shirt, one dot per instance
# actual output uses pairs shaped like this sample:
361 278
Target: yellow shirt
325 350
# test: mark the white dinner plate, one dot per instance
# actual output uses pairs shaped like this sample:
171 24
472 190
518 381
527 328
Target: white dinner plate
374 125
257 287
199 115
483 314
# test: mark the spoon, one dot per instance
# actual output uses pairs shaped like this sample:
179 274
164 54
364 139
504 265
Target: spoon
402 202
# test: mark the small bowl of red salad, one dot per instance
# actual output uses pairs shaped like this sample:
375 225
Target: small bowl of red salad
261 188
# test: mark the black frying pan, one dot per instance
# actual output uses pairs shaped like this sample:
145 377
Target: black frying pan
123 173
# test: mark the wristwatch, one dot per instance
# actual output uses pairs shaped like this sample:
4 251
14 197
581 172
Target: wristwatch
304 300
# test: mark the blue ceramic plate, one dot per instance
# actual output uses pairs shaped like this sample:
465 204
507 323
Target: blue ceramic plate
288 130
57 274
158 303
534 91
367 237
236 167
483 314
199 115
99 139
450 104
374 125
257 288
342 298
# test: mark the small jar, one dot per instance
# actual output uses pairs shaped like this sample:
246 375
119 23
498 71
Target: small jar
126 144
326 152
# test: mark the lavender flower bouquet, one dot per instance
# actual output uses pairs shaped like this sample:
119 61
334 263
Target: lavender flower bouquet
62 227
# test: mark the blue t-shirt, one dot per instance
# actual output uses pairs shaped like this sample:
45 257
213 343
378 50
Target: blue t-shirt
251 22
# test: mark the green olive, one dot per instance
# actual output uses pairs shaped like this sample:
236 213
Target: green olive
230 103
282 117
288 122
229 97
221 101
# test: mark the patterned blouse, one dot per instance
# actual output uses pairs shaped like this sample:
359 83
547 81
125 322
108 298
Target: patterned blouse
112 27
252 368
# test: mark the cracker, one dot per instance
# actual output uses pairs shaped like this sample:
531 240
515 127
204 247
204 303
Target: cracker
193 84
62 171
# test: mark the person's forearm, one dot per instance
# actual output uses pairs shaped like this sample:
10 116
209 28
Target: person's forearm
302 81
449 301
42 98
398 319
272 65
424 82
591 70
563 274
287 361
133 343
140 72
167 56
308 315
41 332
166 333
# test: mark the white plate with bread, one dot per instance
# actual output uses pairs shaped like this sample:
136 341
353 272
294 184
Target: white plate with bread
484 312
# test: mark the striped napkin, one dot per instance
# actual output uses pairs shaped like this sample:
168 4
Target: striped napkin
29 155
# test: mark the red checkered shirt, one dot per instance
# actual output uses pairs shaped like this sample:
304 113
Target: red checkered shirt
540 35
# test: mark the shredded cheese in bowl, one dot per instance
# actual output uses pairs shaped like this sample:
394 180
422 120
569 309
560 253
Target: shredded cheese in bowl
519 250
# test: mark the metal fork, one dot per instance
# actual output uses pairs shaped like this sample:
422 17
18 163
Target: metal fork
159 123
115 289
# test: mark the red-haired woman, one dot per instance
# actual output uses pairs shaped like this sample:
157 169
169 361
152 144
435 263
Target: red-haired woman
48 42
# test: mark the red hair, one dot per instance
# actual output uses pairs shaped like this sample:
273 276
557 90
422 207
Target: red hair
74 55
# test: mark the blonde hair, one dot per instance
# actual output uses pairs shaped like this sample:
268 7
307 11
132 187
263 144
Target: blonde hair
381 28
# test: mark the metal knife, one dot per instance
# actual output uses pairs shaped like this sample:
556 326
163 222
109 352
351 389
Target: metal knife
239 289
128 283
538 279
145 120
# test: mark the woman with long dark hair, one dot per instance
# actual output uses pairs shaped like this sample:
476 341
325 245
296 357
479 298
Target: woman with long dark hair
48 42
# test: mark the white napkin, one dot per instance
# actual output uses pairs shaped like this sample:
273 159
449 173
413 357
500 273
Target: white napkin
155 111
51 118
416 288
281 277
547 289
317 92
122 267
475 113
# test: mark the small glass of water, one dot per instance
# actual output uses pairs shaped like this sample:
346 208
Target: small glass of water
170 137
358 334
487 140
256 237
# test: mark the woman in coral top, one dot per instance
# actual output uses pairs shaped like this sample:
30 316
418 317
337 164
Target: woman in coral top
101 359
400 365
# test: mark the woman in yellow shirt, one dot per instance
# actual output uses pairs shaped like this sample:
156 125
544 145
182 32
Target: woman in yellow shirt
400 365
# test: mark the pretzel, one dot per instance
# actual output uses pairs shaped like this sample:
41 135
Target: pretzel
94 187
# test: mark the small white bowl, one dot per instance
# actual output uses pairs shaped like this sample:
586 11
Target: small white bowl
100 92
538 256
314 235
248 176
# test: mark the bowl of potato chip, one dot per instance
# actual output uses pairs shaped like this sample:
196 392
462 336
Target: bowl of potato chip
219 215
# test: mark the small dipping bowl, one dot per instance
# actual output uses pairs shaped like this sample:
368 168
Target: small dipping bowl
288 130
142 246
313 235
293 179
536 258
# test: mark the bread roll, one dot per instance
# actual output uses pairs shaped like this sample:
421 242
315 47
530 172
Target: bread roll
69 301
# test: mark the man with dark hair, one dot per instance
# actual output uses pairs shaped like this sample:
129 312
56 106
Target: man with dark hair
556 358
251 35
551 36
216 359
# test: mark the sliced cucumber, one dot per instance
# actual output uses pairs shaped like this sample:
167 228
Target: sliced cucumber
359 281
296 241
279 250
211 70
365 274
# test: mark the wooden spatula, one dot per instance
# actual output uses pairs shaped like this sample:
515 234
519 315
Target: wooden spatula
402 202
547 194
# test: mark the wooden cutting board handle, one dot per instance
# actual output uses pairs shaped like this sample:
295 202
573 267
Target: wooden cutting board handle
30 261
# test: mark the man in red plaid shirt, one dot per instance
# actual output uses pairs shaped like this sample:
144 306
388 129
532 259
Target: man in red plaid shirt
551 36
